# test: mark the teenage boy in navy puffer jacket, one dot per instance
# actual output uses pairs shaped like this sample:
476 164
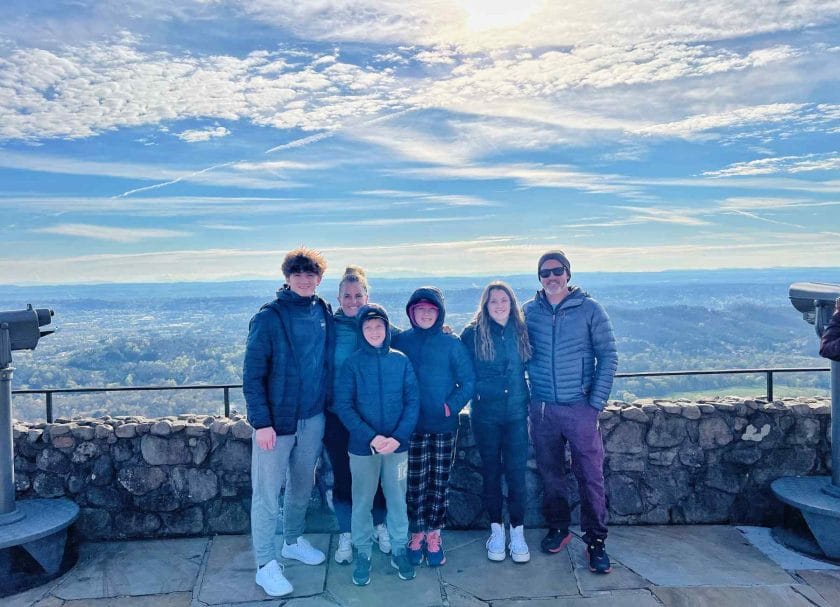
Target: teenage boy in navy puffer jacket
377 401
446 377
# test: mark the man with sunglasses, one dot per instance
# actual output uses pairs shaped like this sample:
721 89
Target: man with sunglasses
571 375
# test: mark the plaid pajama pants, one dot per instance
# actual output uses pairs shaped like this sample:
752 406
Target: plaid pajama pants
430 458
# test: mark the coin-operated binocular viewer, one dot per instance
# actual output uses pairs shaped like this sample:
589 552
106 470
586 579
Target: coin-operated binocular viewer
818 497
39 526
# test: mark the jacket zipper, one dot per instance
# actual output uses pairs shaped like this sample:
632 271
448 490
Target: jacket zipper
553 349
381 390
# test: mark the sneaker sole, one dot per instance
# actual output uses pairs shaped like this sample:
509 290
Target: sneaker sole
431 564
520 558
283 593
357 583
400 575
496 556
562 545
586 554
343 561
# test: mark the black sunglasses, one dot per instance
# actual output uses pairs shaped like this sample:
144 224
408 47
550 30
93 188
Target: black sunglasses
556 271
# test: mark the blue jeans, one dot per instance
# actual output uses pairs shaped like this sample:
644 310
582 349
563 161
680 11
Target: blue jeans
298 453
391 469
503 446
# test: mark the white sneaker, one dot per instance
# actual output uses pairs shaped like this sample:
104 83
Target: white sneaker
270 577
518 547
344 552
496 543
382 537
303 551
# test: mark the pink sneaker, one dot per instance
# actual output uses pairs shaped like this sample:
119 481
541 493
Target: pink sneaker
415 548
434 549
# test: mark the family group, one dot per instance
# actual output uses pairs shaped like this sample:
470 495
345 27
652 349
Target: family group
385 403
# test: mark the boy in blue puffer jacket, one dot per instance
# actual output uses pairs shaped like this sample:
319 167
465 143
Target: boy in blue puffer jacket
446 377
377 401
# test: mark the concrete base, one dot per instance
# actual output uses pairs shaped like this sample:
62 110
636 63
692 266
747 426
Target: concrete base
820 509
40 531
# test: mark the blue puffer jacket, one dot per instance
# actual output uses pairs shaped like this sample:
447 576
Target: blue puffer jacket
501 394
442 365
575 357
377 392
271 376
347 340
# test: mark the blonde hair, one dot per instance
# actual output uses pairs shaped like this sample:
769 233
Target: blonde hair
354 274
484 348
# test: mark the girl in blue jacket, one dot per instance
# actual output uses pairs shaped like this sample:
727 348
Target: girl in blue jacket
497 340
377 400
447 382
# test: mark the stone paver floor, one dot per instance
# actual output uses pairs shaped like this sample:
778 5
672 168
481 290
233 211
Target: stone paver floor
674 566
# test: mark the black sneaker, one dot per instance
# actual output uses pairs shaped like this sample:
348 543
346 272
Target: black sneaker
403 566
361 573
555 540
599 562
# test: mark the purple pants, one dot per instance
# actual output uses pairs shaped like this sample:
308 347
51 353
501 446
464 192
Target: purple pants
552 426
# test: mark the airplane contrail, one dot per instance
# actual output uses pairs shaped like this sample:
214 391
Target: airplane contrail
286 146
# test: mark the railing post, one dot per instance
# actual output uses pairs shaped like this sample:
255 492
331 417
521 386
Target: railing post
49 408
769 386
227 401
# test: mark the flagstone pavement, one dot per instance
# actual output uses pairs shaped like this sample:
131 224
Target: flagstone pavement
674 566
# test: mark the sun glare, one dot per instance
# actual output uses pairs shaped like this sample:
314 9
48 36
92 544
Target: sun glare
497 14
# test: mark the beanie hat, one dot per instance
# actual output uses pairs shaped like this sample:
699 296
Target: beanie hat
371 311
556 255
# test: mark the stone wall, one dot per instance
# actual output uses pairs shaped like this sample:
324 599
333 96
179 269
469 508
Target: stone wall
666 462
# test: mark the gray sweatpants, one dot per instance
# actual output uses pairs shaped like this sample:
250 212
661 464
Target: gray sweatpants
298 453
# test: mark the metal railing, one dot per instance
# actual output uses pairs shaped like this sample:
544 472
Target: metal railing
768 374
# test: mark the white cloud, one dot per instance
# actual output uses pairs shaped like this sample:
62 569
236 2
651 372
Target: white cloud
123 235
192 136
781 164
409 197
499 254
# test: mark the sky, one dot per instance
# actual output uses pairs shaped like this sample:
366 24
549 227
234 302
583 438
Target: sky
146 141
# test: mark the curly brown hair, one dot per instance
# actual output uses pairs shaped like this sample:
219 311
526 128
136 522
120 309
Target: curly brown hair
304 259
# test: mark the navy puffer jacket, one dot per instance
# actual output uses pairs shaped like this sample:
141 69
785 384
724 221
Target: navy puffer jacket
443 367
501 393
574 358
377 392
347 340
271 376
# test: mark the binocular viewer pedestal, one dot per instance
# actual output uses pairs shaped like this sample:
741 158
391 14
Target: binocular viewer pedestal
38 526
817 497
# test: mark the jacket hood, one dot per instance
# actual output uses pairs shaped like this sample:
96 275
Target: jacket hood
286 294
368 312
430 294
574 298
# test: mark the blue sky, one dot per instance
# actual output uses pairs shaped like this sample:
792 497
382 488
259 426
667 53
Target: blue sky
199 140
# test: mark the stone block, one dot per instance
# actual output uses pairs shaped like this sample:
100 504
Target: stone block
714 432
635 414
663 457
743 454
220 427
707 505
627 437
158 450
194 484
691 411
806 431
65 441
195 429
163 499
189 521
126 431
161 428
463 509
103 432
94 524
199 448
85 452
53 461
102 472
60 429
242 430
135 524
624 495
48 485
139 480
232 455
227 516
692 455
627 463
84 433
666 431
105 497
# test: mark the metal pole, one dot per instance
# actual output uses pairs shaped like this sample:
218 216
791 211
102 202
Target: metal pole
835 424
227 401
49 408
7 460
769 386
